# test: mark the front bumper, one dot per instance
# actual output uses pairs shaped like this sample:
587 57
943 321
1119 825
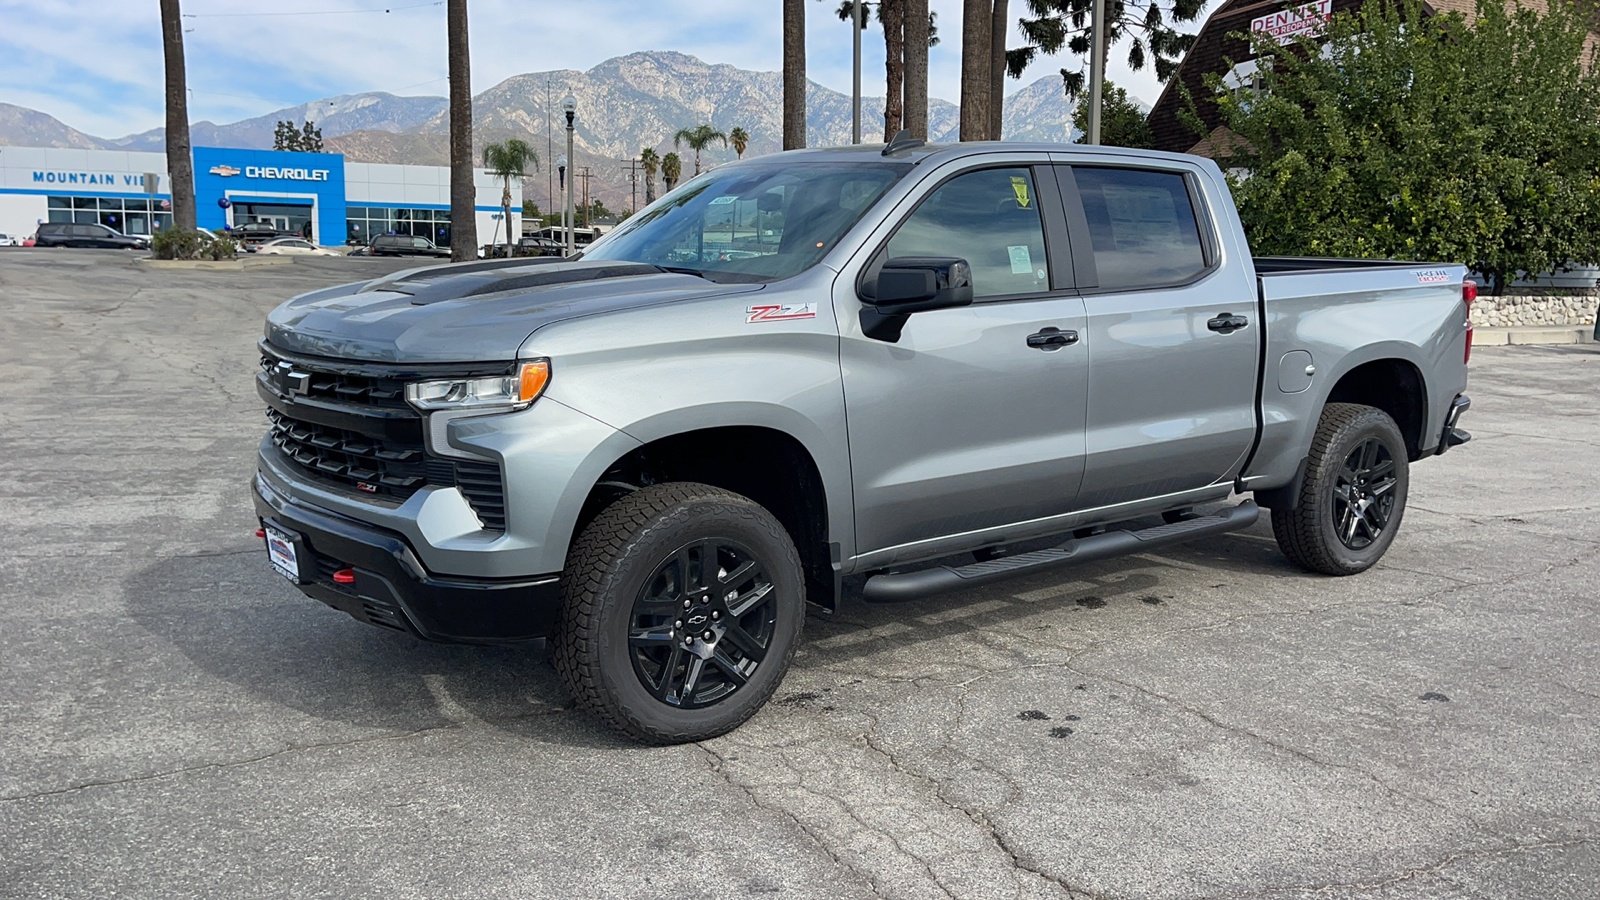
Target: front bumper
392 589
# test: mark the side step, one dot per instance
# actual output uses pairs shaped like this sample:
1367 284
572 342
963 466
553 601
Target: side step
901 586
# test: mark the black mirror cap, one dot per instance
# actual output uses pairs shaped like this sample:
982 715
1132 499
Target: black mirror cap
912 284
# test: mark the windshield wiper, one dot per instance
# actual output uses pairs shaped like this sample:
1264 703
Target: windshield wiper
683 270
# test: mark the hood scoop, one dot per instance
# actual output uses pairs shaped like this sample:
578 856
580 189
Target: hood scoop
461 285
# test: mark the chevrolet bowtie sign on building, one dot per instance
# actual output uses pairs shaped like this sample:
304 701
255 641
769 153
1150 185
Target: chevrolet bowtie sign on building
224 171
270 172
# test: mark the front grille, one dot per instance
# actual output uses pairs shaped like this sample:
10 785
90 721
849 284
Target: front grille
355 460
350 387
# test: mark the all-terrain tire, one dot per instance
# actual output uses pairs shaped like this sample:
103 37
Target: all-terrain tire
626 561
1314 534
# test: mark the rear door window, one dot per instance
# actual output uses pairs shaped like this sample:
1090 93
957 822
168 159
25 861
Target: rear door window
1142 226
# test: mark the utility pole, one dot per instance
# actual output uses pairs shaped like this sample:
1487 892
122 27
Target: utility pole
632 168
549 151
584 173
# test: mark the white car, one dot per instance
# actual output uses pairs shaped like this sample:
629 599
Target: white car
294 247
7 240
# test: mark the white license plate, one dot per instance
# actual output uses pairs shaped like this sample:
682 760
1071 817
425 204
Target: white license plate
280 551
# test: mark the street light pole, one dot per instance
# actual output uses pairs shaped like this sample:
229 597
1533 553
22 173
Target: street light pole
857 15
561 167
1097 69
569 105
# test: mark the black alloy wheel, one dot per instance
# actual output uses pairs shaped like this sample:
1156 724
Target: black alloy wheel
683 607
1348 505
1363 494
702 623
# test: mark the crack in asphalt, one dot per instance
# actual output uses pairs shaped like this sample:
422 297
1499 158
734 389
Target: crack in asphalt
719 765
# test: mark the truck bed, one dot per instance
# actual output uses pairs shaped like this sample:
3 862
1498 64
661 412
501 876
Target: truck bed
1283 265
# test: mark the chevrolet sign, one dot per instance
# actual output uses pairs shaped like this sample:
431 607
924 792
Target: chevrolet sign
286 174
224 171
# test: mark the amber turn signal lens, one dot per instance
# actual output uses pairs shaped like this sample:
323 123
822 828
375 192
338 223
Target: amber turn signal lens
535 376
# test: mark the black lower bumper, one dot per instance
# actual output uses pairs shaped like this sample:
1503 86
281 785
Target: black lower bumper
1453 436
392 589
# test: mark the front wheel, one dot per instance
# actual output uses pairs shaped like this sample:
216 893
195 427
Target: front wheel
1353 494
683 608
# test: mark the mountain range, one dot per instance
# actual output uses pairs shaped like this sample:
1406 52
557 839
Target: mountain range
624 104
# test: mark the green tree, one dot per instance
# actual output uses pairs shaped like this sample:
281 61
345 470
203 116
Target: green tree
1147 26
506 160
531 211
671 170
740 139
597 210
1424 138
698 138
1122 122
304 138
650 161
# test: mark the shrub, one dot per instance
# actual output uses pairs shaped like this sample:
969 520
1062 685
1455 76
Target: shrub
173 244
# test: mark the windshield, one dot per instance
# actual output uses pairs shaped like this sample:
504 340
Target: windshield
751 223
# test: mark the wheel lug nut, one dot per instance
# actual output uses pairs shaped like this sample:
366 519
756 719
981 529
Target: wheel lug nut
716 615
678 623
685 604
689 639
708 635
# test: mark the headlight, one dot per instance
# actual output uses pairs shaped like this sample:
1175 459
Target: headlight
497 393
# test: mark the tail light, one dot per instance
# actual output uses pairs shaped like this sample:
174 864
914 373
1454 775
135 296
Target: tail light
1469 293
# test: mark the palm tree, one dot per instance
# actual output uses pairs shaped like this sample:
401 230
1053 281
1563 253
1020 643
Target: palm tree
650 161
794 74
463 193
507 160
740 139
181 163
998 27
917 36
698 138
977 17
671 170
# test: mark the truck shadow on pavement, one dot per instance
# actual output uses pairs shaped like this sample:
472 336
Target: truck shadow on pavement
235 621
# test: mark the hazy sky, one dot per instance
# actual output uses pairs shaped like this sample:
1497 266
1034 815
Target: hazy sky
96 64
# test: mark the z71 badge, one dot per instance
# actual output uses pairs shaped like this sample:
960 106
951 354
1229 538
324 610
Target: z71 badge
775 312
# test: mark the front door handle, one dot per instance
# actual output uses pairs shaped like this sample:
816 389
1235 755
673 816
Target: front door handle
1227 323
1052 338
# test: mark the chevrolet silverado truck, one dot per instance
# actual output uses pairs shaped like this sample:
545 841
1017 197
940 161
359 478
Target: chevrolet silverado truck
896 362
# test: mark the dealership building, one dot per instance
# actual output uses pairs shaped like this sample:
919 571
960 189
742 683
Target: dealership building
339 201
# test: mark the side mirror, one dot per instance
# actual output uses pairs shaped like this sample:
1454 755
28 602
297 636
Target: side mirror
913 284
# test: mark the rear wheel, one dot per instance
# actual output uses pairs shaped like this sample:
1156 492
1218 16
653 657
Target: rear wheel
683 608
1353 495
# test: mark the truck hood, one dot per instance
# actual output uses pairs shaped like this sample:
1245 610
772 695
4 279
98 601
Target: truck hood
471 312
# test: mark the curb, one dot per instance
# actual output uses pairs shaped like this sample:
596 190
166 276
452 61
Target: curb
233 265
1544 334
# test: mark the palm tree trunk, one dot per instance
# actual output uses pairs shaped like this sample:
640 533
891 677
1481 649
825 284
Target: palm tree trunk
892 17
794 74
916 55
976 16
463 193
998 29
505 202
180 161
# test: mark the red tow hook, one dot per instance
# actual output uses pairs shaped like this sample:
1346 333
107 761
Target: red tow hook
345 576
261 532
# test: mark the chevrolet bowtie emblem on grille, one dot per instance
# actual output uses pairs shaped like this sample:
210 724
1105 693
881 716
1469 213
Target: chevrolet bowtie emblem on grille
224 171
287 380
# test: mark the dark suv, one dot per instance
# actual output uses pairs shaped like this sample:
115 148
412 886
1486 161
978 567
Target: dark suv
66 234
405 245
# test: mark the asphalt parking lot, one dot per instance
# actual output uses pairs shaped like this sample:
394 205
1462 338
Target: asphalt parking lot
176 721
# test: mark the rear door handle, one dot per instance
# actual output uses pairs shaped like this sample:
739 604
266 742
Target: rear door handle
1227 323
1052 338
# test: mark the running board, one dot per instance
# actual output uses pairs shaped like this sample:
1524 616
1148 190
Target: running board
901 586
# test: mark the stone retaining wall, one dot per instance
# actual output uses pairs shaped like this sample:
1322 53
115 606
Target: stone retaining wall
1515 312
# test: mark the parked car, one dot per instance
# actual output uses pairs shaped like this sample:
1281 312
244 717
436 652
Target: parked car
657 454
67 234
7 240
251 235
29 241
294 247
405 245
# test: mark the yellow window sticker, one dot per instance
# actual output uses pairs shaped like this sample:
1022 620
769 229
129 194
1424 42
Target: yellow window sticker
1019 186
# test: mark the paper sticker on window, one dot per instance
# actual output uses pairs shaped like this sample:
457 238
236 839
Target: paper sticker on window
1021 261
729 198
1019 186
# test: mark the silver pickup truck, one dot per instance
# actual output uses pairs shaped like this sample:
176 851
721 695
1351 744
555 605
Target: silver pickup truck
837 362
